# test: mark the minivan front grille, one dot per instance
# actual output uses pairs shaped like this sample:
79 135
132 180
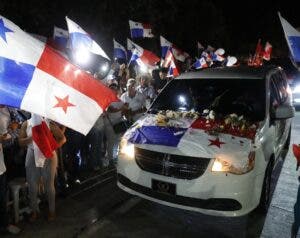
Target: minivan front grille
218 204
177 166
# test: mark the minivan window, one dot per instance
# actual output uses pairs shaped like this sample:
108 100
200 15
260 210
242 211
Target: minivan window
281 85
274 96
225 96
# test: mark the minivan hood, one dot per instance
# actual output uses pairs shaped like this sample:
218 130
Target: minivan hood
188 137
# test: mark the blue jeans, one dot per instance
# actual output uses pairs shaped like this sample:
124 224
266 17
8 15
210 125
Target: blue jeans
3 201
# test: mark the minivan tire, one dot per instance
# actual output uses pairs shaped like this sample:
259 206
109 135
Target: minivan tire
288 140
265 197
286 146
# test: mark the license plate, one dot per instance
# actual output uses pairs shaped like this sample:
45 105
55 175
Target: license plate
163 187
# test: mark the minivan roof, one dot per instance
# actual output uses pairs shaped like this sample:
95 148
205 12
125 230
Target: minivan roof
229 72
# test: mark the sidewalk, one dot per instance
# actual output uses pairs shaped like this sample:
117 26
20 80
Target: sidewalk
76 211
281 212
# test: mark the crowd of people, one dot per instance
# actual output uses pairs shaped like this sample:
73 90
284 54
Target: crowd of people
77 155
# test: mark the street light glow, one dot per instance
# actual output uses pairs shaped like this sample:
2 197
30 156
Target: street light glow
104 67
82 56
143 68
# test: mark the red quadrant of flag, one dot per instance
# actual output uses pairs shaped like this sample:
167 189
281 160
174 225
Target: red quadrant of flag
56 65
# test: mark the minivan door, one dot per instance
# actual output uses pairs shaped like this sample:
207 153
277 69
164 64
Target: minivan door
279 96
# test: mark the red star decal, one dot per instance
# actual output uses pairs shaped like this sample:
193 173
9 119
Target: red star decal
216 142
64 103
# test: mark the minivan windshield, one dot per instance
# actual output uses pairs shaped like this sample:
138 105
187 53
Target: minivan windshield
225 96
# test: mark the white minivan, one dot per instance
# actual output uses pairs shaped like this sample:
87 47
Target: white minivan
210 141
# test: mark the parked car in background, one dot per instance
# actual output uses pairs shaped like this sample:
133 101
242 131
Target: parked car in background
210 141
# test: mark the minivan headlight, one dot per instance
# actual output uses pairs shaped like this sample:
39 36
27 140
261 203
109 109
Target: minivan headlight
126 149
221 165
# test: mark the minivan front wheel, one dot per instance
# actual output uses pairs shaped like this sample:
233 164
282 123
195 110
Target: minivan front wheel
288 140
265 197
286 146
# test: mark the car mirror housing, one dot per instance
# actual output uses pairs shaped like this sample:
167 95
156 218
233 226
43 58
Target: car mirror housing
284 112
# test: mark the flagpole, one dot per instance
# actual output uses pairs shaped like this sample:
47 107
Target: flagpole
257 52
129 63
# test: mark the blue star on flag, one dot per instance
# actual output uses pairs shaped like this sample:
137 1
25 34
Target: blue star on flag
3 30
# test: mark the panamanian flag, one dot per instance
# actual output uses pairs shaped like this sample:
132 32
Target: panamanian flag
143 56
200 63
165 46
60 37
292 37
140 30
170 63
178 53
130 48
43 140
119 50
36 78
189 137
79 39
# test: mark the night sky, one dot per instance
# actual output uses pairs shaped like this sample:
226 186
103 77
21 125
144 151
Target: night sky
235 26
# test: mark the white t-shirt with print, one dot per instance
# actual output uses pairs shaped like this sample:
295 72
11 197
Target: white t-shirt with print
135 103
148 91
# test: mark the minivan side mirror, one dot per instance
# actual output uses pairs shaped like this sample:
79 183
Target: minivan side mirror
283 112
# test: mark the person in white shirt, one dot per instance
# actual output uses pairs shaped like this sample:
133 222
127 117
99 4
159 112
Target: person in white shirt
147 90
5 121
113 116
134 100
